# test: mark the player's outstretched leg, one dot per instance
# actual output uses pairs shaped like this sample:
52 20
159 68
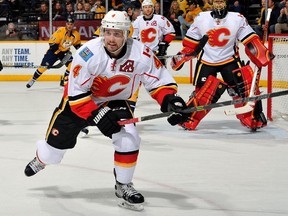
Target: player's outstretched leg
33 167
30 83
36 75
129 197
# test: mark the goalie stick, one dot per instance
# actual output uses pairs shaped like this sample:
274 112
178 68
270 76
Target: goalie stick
205 107
256 78
198 49
59 65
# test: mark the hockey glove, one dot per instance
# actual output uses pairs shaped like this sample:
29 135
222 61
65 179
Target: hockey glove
162 51
1 66
106 120
176 104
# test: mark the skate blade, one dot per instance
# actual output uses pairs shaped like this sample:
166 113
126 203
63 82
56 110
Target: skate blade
127 205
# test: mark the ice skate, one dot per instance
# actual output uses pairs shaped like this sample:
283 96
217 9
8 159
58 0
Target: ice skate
33 167
30 83
256 123
190 125
129 197
84 132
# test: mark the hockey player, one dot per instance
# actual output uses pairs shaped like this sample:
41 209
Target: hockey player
105 72
154 30
59 45
220 54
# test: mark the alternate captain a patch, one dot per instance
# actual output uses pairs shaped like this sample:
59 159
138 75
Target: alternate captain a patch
86 54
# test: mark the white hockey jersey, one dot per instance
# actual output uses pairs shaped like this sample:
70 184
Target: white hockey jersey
223 35
151 32
95 76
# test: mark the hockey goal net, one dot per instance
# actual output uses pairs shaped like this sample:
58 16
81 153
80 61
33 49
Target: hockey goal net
277 77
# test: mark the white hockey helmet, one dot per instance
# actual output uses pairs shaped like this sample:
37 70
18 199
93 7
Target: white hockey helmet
116 20
146 3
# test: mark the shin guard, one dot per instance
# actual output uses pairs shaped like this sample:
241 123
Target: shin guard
209 93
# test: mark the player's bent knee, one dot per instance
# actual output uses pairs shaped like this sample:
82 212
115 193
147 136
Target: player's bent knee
127 139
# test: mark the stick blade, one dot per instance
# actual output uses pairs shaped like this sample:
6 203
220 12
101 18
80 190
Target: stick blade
240 110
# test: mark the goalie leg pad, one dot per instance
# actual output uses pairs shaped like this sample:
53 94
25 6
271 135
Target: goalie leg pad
209 93
243 78
254 119
257 52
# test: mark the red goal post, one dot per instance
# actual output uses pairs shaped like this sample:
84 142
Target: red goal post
277 76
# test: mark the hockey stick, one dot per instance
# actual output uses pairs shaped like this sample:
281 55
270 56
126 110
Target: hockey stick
256 78
59 65
198 49
205 107
265 31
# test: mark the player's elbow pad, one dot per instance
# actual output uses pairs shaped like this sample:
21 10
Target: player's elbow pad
258 53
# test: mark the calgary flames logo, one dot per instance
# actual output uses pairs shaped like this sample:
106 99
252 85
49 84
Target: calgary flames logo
148 35
217 37
103 86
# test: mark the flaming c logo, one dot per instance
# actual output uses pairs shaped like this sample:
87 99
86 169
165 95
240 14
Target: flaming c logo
102 86
148 35
217 37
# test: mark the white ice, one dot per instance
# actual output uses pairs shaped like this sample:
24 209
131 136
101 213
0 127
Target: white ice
221 169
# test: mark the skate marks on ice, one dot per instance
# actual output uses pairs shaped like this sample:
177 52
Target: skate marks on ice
92 201
219 129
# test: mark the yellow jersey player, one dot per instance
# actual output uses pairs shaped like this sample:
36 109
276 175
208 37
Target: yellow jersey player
59 45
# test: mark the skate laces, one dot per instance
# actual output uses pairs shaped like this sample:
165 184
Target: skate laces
128 189
36 166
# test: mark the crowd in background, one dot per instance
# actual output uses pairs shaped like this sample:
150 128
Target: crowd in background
181 13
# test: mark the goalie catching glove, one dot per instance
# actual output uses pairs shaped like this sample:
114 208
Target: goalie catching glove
176 104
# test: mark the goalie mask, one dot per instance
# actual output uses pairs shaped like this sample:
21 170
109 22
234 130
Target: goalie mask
219 9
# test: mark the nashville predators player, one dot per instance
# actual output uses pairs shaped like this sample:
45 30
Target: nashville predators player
59 45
